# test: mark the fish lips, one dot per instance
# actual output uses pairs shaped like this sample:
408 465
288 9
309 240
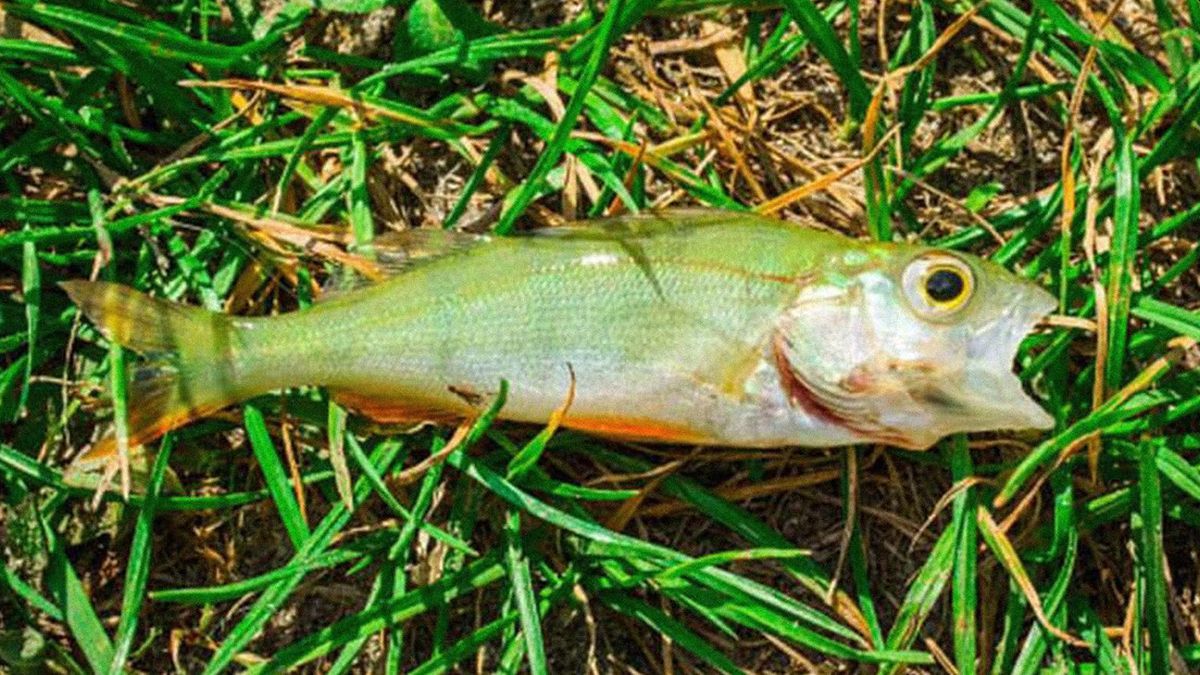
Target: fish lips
987 394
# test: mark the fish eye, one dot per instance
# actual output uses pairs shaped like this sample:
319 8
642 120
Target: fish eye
938 284
945 285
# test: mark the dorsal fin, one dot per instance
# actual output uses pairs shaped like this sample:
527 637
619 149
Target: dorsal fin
629 231
398 251
645 224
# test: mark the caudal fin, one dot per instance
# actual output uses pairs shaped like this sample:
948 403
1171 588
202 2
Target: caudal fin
188 372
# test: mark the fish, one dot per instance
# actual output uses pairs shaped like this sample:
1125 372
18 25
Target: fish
695 327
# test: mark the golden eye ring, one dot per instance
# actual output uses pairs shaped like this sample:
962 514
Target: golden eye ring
945 285
938 284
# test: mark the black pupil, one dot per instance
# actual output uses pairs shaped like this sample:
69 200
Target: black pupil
944 285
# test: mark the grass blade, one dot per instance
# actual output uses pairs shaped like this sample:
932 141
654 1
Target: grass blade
964 589
31 286
278 483
670 628
68 593
923 593
1153 595
138 571
519 579
1122 258
1177 470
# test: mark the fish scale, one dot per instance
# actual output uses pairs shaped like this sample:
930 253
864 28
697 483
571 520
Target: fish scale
615 317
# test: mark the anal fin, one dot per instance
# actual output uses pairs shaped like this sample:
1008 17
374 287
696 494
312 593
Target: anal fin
399 409
636 429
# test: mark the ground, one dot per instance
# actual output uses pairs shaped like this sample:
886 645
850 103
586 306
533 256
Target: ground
230 155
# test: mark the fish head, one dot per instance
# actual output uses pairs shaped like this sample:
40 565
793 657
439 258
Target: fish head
904 345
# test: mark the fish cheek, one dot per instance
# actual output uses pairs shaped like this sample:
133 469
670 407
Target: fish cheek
816 347
939 398
825 336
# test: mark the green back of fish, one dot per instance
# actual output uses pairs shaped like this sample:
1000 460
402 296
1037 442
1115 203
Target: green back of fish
647 296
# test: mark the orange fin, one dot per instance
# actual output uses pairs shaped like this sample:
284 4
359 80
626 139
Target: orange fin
188 372
151 414
636 429
399 410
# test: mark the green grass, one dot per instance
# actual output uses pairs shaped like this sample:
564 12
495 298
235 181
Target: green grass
532 551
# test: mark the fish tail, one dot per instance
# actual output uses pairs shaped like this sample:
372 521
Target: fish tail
191 365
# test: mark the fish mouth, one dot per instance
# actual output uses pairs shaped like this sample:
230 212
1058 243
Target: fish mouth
989 393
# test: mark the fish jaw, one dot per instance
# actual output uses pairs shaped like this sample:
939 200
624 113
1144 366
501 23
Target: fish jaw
990 386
